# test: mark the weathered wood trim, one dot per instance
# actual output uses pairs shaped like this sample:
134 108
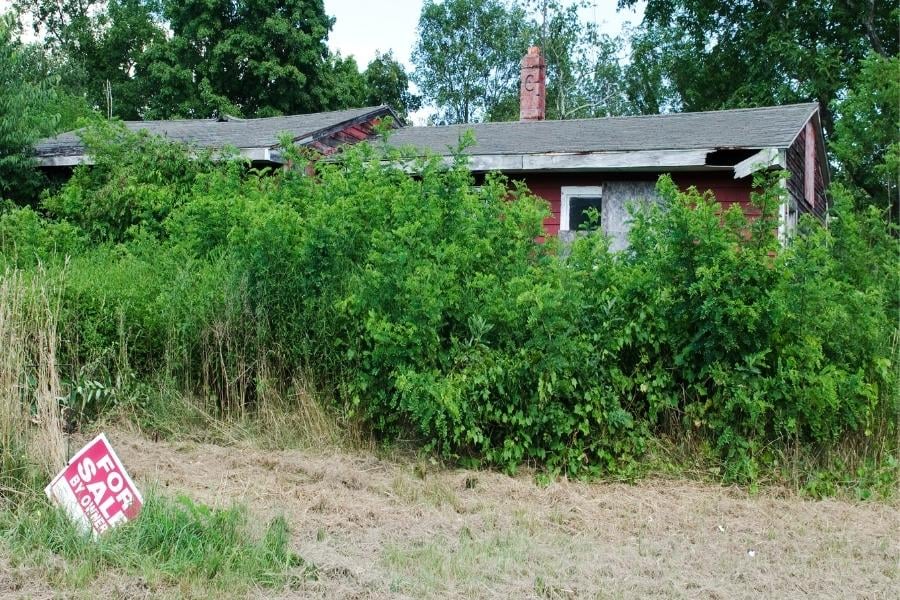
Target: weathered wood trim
765 158
64 161
257 154
809 165
381 112
251 154
787 215
593 161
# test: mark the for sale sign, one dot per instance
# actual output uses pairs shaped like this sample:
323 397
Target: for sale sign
95 490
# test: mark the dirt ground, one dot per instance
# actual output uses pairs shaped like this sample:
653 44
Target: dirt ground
382 529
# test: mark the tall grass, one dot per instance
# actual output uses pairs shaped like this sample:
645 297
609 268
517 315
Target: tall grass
204 551
30 423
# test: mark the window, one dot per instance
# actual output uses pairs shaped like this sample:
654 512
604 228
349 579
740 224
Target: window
576 204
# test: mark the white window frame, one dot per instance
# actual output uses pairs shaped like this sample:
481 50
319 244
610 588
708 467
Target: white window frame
575 191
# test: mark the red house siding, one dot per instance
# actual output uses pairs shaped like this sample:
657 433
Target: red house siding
728 191
797 182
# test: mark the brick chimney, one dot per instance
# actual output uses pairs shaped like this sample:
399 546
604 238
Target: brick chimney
532 97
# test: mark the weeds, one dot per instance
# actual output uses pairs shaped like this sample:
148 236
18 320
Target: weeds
174 542
30 422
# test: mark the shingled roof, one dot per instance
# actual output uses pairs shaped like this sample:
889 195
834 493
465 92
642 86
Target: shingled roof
742 139
749 128
243 134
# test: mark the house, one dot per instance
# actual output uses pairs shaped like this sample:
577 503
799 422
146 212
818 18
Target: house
612 162
606 164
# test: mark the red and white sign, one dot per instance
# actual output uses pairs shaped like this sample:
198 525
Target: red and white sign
95 490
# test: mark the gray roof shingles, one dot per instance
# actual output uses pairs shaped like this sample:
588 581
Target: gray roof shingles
774 126
769 127
212 133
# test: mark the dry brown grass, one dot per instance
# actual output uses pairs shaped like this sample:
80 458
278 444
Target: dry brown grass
295 417
30 423
400 529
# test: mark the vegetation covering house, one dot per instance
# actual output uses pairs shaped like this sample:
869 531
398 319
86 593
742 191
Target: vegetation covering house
258 140
608 163
604 164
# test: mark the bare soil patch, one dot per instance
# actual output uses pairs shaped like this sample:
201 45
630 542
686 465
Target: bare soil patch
381 529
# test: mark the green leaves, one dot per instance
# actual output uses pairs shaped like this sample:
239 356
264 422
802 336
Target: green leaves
25 114
467 56
865 141
431 309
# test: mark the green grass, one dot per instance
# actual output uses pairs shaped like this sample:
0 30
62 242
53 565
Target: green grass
175 543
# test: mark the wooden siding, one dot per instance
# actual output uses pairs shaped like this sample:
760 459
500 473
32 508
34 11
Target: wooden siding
330 141
796 183
728 191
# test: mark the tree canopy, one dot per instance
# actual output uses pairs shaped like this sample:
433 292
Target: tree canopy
699 55
28 109
157 59
467 56
386 82
735 53
254 57
468 53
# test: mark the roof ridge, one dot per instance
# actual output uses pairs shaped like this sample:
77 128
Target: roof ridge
233 119
627 117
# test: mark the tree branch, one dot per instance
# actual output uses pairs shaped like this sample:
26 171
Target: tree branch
870 30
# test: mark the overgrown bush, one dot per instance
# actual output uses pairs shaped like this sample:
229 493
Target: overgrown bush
433 309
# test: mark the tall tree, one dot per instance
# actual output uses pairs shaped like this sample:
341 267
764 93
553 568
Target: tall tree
467 56
253 57
584 77
387 83
100 45
22 115
345 85
731 53
866 142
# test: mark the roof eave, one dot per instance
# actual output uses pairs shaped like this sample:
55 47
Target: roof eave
258 154
695 159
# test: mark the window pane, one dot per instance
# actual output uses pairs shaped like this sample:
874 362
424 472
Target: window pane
580 211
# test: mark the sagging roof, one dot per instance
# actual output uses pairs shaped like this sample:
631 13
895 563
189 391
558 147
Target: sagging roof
253 137
740 140
752 128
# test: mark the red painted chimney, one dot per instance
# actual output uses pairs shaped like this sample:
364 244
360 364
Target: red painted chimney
532 98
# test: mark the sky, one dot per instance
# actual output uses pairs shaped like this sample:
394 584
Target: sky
362 27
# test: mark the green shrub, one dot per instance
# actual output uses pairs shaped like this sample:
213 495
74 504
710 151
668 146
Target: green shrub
135 181
26 237
438 315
